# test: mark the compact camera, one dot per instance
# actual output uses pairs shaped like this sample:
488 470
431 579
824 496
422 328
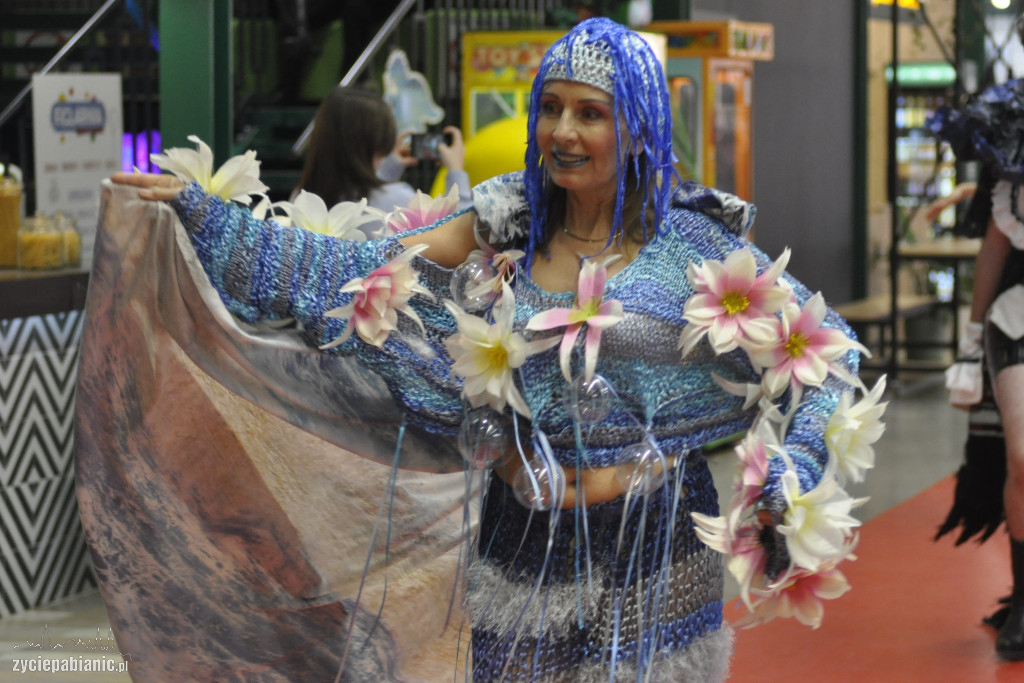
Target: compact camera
424 145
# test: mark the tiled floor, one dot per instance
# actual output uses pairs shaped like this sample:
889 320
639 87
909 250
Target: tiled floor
922 444
68 632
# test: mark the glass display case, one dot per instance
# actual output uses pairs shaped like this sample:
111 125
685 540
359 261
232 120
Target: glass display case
710 71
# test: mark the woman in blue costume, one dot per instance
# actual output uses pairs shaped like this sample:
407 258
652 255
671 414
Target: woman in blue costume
587 565
990 129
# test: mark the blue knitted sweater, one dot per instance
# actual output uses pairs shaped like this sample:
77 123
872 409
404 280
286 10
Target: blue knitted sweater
264 271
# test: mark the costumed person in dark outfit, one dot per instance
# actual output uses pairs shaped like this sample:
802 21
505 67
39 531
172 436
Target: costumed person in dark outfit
990 129
584 331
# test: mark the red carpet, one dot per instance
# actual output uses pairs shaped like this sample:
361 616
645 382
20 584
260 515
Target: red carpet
914 613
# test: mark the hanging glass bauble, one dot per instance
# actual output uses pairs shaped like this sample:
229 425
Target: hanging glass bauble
641 469
483 437
538 486
467 285
590 401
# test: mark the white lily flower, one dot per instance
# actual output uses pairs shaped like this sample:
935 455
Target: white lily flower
235 180
852 431
750 393
486 354
817 524
343 220
265 209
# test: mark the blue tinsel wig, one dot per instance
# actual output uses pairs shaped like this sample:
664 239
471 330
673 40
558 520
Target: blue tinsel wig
604 54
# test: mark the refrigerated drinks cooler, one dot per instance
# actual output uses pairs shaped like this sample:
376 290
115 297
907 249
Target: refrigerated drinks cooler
925 167
710 71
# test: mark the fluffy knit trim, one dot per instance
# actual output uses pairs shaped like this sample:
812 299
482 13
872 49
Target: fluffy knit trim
502 606
1007 210
705 660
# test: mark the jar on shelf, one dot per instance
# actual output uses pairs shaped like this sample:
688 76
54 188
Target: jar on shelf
72 239
40 244
10 221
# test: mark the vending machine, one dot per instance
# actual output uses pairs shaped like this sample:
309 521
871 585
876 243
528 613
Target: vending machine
710 71
498 69
497 73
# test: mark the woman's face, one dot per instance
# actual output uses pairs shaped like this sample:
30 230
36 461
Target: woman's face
575 131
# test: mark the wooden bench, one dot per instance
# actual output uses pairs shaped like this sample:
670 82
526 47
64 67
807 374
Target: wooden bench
875 311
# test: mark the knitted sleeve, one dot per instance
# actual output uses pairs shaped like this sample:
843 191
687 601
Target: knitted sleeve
804 441
264 271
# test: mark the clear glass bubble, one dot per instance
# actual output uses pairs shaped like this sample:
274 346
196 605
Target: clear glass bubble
538 486
483 437
468 277
641 469
590 402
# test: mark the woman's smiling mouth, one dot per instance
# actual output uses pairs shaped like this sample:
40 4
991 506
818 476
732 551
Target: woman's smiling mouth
564 160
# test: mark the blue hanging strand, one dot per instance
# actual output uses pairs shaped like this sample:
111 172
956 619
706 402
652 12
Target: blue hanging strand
582 544
389 502
465 557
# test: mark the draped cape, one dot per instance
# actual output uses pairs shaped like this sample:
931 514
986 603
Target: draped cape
238 489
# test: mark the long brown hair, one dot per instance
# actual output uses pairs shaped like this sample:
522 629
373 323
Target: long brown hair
352 126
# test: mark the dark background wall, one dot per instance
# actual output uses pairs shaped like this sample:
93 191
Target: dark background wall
804 117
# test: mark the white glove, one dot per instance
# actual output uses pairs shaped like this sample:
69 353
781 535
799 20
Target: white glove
963 378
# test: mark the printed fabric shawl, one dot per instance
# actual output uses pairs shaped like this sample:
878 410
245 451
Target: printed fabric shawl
238 489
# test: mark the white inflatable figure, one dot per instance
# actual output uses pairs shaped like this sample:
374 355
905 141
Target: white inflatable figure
408 94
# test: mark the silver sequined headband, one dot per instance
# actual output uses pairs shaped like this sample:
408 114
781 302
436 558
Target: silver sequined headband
589 63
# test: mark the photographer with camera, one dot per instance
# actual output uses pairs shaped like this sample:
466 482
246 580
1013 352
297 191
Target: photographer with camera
355 152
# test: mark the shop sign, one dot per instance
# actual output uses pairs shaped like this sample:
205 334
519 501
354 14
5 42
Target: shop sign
77 126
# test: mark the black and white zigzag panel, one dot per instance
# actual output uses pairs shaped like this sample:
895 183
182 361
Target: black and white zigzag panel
43 556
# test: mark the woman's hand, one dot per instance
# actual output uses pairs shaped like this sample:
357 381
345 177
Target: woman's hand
453 156
154 186
960 193
402 152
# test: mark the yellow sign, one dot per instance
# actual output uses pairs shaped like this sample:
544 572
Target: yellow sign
497 72
738 39
905 4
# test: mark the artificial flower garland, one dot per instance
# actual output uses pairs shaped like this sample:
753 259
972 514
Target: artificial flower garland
733 307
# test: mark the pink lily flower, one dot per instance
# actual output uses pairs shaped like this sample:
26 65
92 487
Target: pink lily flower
423 210
799 595
740 542
379 297
503 263
732 302
802 351
753 455
588 308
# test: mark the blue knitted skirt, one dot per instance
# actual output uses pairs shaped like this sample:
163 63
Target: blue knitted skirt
608 592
